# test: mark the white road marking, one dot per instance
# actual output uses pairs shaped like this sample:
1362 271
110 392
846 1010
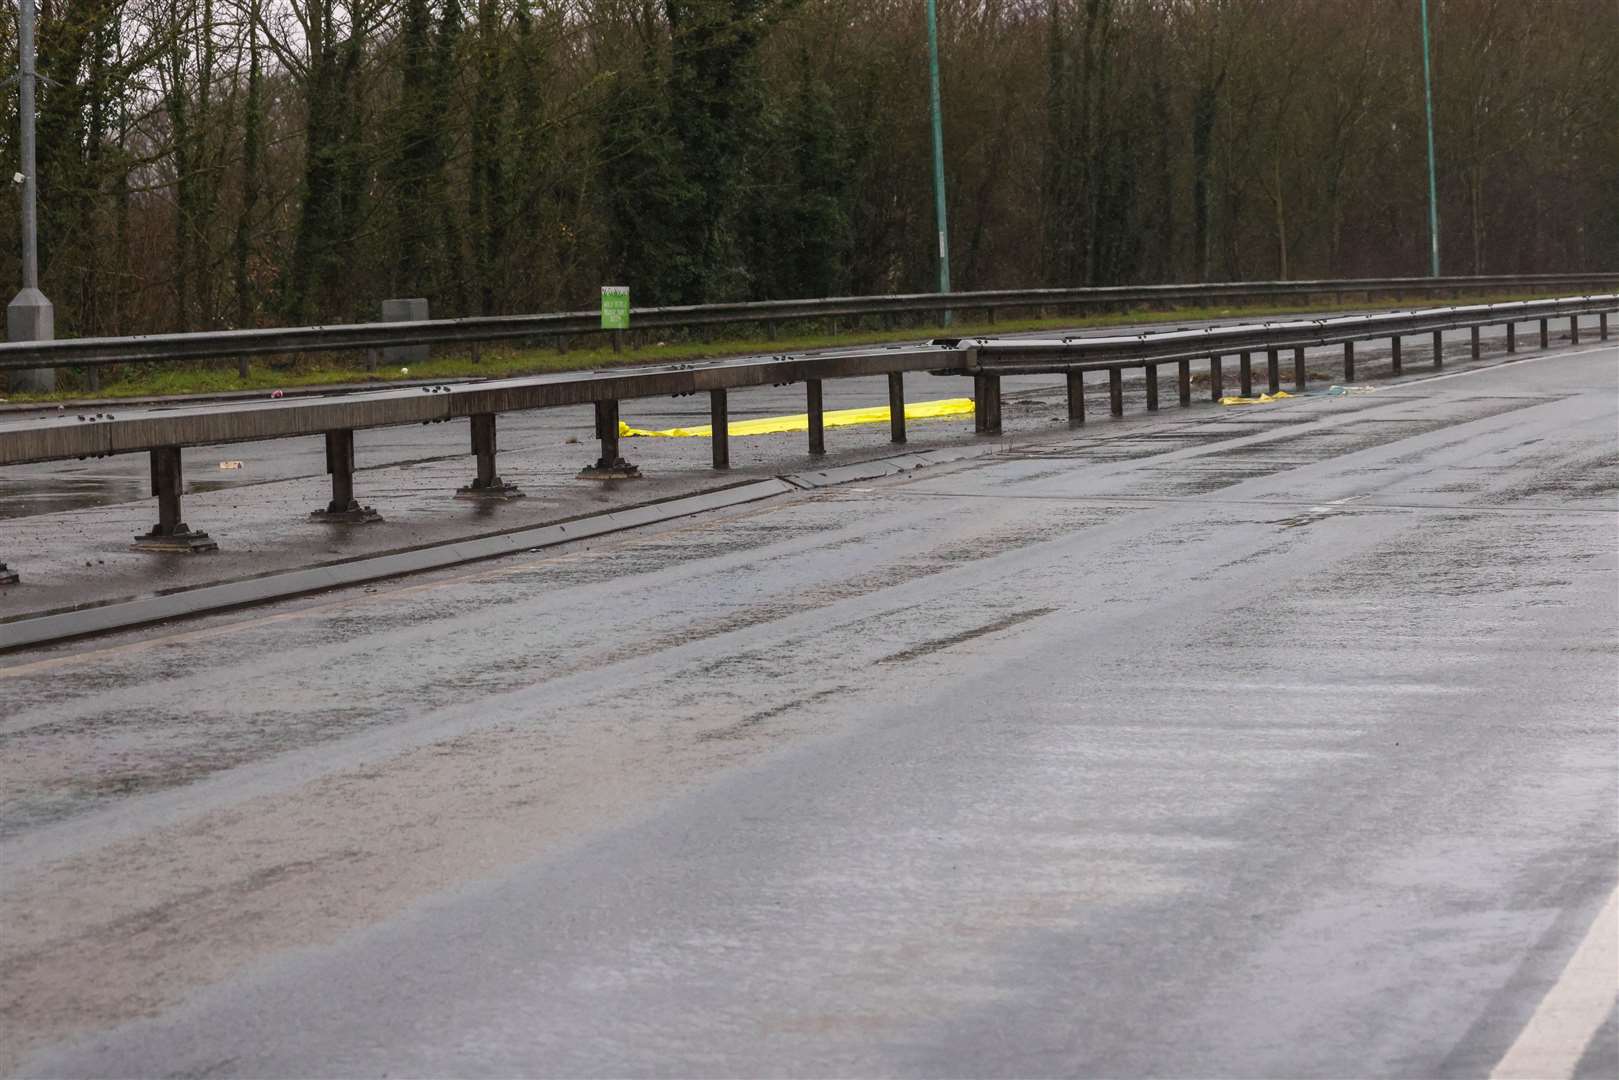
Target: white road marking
1552 1043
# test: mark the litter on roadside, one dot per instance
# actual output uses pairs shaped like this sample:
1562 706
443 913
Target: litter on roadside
773 425
1340 391
1260 400
230 464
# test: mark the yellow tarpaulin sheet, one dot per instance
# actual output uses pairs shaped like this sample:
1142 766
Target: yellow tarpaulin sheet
772 425
1260 400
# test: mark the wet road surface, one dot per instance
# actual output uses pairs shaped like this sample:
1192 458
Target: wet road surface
1276 742
66 527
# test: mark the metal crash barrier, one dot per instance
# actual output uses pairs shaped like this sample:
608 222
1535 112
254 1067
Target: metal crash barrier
164 434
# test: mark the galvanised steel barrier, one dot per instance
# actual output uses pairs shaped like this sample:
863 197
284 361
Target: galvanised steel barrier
216 344
164 433
1075 356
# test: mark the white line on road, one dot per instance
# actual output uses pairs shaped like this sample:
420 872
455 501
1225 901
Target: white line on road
1552 1043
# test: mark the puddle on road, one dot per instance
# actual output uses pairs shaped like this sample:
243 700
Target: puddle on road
54 494
57 493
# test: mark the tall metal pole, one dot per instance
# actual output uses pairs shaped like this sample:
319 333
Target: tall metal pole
1433 188
938 151
25 94
29 317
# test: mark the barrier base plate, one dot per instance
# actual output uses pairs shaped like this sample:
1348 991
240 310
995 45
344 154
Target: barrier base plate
182 541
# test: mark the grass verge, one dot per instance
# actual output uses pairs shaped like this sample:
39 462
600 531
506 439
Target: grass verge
501 361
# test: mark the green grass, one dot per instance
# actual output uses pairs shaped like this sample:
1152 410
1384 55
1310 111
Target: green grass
220 376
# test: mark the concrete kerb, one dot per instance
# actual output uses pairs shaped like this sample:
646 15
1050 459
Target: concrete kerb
53 627
50 627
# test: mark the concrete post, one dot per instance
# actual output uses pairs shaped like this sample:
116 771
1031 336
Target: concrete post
410 309
31 317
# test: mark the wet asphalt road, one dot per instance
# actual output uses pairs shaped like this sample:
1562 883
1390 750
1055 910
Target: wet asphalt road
1266 743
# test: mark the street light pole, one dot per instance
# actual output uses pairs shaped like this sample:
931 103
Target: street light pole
1433 190
938 151
30 316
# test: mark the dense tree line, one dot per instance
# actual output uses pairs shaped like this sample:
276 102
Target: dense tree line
211 163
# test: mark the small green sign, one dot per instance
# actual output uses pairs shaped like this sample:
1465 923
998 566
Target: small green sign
615 307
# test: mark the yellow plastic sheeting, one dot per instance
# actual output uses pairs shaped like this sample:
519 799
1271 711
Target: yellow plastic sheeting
774 425
1260 400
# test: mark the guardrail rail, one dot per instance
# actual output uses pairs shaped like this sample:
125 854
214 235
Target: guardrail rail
239 344
164 433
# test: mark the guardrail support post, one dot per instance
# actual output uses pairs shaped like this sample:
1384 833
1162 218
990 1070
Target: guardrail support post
1574 329
1474 338
1273 371
1545 334
1076 398
1439 349
170 534
609 466
1602 326
896 406
1183 381
1394 355
344 509
1349 361
817 417
719 419
1512 337
487 486
1152 387
986 404
1216 379
1245 375
1115 391
1300 375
